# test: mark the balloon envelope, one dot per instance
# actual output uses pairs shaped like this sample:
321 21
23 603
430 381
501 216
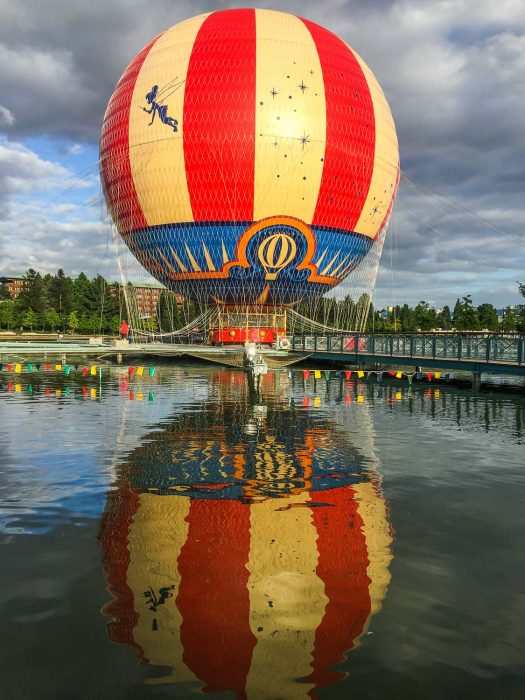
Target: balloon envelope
249 157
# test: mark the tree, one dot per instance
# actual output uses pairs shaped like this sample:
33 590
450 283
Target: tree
7 314
4 292
488 317
60 293
445 319
466 317
52 320
509 321
29 319
424 316
32 296
73 322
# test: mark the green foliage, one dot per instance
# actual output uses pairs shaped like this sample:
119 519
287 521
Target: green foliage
7 314
28 319
52 320
488 318
4 292
73 322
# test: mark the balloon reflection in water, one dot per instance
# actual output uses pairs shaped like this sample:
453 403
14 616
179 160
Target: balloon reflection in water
247 561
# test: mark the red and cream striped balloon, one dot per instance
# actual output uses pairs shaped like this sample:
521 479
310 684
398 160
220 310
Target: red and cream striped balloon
243 116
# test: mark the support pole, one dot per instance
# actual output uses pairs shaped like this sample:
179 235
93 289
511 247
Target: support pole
476 380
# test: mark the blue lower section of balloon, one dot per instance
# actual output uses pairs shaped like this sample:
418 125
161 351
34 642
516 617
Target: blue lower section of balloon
208 262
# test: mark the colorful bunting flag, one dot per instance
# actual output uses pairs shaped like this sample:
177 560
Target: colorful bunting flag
306 374
67 370
327 374
84 371
360 399
317 374
317 401
18 368
131 371
140 371
29 366
93 393
151 371
348 374
437 375
360 374
399 375
429 376
94 371
47 367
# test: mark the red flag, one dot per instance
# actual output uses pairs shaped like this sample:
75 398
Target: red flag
306 400
348 398
48 391
392 373
306 374
84 389
429 376
47 367
348 373
9 367
9 386
131 396
85 370
131 371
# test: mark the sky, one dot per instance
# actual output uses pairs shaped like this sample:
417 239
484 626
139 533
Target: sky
453 72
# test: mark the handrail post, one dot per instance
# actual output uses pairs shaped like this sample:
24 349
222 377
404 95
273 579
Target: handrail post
460 347
315 342
412 345
391 343
488 348
434 346
372 344
521 350
329 342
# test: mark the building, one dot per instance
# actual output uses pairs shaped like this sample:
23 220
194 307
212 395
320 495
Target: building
14 283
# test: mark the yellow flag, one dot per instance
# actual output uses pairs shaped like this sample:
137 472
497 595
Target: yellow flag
360 399
140 371
93 370
18 368
437 375
58 368
399 375
18 388
360 374
317 400
93 393
138 396
436 394
317 374
398 395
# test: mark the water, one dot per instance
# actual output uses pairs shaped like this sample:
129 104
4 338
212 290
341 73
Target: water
188 533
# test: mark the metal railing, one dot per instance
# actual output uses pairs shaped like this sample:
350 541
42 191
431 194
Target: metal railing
462 347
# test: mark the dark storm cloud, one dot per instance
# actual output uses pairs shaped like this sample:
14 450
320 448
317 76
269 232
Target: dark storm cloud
453 72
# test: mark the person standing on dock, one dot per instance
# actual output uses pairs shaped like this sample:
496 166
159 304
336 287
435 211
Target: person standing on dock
124 329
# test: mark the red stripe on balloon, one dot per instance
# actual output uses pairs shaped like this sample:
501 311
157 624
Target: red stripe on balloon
213 595
122 506
115 166
350 133
342 565
219 118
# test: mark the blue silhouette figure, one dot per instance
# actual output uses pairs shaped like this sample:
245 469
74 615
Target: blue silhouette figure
161 110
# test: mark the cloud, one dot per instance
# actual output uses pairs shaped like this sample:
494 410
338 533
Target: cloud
7 118
22 171
451 70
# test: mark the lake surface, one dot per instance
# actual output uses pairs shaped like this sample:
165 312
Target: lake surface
190 533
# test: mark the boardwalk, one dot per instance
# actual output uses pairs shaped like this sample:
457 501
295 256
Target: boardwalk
471 353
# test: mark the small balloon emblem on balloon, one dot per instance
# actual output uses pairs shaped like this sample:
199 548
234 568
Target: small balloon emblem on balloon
275 253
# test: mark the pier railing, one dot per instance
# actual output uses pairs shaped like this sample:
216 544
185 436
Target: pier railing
497 349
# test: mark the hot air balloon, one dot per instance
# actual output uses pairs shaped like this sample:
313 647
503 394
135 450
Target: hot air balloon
244 563
249 161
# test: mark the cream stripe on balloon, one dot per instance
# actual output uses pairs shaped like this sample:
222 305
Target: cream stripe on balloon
290 122
287 598
163 195
156 537
386 160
